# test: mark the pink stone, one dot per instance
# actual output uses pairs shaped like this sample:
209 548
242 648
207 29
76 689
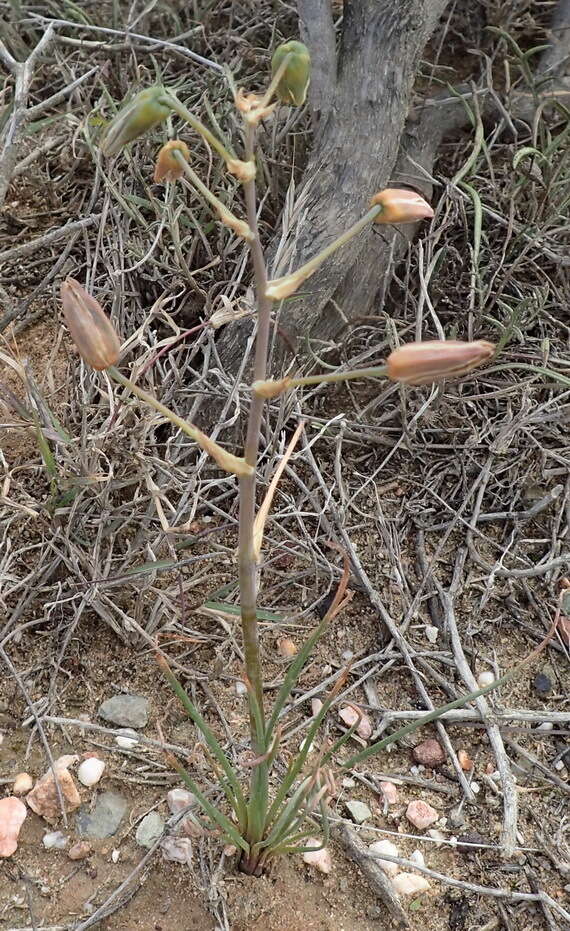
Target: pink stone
79 850
12 816
421 815
430 753
350 714
389 792
44 800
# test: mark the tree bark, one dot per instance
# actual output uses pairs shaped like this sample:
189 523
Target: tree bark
356 145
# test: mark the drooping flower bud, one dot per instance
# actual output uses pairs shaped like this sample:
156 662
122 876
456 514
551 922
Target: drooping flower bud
90 328
142 113
294 82
400 205
423 363
168 168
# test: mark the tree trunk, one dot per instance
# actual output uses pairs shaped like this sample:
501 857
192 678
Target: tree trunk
363 103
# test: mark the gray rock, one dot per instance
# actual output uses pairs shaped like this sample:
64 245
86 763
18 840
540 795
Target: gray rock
105 818
358 811
456 818
126 710
54 840
149 830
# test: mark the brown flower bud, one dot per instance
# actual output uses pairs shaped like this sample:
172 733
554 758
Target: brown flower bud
399 205
167 167
90 328
423 363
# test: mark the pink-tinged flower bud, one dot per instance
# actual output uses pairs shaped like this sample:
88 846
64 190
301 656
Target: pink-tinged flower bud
168 168
294 82
90 328
144 111
400 205
423 363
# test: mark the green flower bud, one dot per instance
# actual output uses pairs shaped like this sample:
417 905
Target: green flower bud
144 111
294 82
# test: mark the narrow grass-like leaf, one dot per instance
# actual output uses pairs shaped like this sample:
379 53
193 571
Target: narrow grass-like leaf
215 814
236 799
293 673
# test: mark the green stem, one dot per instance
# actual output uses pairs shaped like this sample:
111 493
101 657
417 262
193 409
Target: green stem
247 561
227 461
205 191
196 124
378 371
297 277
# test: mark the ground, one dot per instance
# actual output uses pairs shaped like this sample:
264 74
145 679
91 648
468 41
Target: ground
451 504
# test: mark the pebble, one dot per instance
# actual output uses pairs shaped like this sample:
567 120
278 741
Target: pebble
149 829
126 710
421 815
127 738
374 912
358 811
350 714
432 633
54 840
22 784
177 849
178 800
475 787
417 857
559 765
241 688
465 760
12 816
546 726
485 678
90 771
389 792
105 818
316 705
385 846
429 753
456 817
542 684
348 783
410 883
115 855
79 850
465 842
44 797
287 647
437 836
320 859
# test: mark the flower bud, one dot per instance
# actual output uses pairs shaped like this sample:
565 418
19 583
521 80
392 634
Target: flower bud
423 363
294 82
400 205
167 167
90 328
144 111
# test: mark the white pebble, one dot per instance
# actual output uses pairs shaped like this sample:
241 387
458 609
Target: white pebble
55 840
432 633
559 765
546 726
382 847
418 858
127 738
115 854
241 688
437 836
475 787
22 784
348 783
410 883
485 678
320 859
90 771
